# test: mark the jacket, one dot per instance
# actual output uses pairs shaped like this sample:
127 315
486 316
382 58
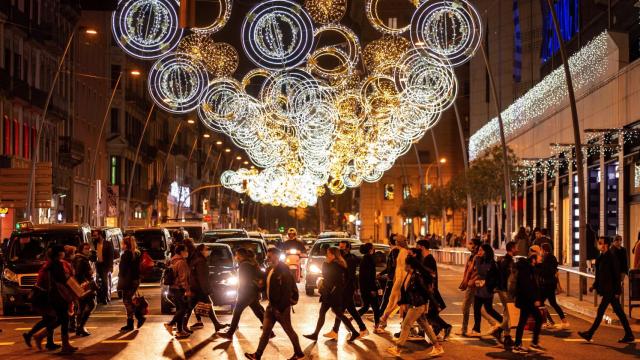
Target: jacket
333 284
527 291
390 269
487 271
430 275
107 254
469 272
505 266
414 291
83 268
351 277
607 280
367 276
181 273
636 255
50 273
281 287
249 278
621 255
548 270
199 275
129 270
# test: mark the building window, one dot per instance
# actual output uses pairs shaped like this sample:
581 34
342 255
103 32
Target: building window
115 120
406 191
389 190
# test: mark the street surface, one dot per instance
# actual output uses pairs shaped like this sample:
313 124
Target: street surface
153 342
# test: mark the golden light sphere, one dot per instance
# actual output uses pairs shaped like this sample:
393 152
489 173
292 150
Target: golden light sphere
381 55
326 11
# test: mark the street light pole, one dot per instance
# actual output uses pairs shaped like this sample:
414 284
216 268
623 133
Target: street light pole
438 162
465 158
166 160
133 168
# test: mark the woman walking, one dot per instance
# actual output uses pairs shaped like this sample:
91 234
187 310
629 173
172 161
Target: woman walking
334 274
486 281
84 271
179 291
368 283
129 281
549 283
200 289
250 281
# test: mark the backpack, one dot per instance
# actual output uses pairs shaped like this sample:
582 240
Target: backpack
169 277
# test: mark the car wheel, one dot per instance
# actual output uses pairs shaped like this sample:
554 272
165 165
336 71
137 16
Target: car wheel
309 291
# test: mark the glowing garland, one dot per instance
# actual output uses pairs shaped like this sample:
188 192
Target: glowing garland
224 13
326 11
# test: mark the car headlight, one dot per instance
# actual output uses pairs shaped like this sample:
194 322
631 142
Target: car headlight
282 257
230 281
293 251
314 269
10 276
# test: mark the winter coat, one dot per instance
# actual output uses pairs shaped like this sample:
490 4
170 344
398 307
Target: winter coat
129 273
527 291
181 273
548 271
522 244
351 277
333 284
487 270
607 280
414 292
282 290
367 276
199 276
83 268
250 279
505 266
621 255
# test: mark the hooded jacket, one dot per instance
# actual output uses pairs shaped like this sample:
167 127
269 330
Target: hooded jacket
181 273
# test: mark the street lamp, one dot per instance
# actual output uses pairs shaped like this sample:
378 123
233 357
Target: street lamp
191 121
206 136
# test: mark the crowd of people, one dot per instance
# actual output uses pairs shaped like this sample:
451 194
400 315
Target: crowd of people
408 285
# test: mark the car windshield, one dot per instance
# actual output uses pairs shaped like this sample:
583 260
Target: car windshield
32 246
254 246
152 242
195 232
220 256
211 237
320 248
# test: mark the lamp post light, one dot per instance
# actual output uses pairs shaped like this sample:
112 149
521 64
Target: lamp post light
36 152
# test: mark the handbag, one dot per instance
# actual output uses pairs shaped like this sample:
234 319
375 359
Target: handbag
202 308
141 305
79 290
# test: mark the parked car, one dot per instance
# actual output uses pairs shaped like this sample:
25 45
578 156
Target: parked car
114 236
156 243
274 240
317 256
27 252
223 278
334 235
259 247
195 228
212 236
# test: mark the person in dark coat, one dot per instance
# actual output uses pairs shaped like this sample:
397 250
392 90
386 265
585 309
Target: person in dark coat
622 256
104 266
485 283
389 271
199 282
549 283
282 294
505 268
250 281
129 280
368 283
191 302
84 272
350 289
433 314
527 299
522 242
179 292
331 294
608 285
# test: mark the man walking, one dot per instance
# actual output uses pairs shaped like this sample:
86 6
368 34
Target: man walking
505 267
282 294
621 256
608 285
349 290
527 295
104 267
433 314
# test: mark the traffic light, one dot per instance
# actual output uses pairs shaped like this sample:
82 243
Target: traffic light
281 229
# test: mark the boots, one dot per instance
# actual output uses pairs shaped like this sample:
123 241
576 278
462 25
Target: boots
66 346
128 327
39 337
80 329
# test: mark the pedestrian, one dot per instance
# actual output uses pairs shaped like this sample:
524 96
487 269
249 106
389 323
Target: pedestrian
199 282
332 291
505 268
282 294
250 281
636 253
607 284
179 291
129 280
413 300
389 272
522 242
84 273
549 284
622 256
540 239
104 267
527 295
433 314
400 272
368 283
54 301
191 302
349 290
485 283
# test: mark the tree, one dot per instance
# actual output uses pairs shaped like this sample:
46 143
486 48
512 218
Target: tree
484 177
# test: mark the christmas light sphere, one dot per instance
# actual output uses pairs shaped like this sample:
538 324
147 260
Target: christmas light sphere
176 82
326 11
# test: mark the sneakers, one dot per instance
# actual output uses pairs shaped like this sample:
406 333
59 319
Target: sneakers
627 339
169 328
563 325
507 342
585 335
537 348
197 326
312 337
436 351
395 351
520 350
364 333
331 335
353 337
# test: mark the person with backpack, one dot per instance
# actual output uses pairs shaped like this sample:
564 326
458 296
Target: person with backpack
282 294
505 269
485 283
178 280
129 281
250 281
526 291
331 294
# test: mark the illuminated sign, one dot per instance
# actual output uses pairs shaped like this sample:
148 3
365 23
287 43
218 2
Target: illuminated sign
181 194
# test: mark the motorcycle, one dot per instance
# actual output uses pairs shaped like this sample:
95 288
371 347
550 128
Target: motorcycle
294 259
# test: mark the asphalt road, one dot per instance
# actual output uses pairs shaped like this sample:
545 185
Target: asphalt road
153 342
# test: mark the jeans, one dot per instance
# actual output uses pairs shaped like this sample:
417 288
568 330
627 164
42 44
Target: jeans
127 300
525 312
435 320
469 296
373 302
617 308
350 306
504 299
271 316
324 307
180 301
487 303
104 282
255 306
550 295
416 314
85 307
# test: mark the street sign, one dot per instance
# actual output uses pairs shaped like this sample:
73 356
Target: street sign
14 187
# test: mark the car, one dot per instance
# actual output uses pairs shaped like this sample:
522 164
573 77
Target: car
255 235
223 278
317 256
155 242
259 247
334 235
195 228
114 236
212 236
309 241
27 252
273 240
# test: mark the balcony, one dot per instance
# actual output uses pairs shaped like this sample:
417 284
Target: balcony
71 152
